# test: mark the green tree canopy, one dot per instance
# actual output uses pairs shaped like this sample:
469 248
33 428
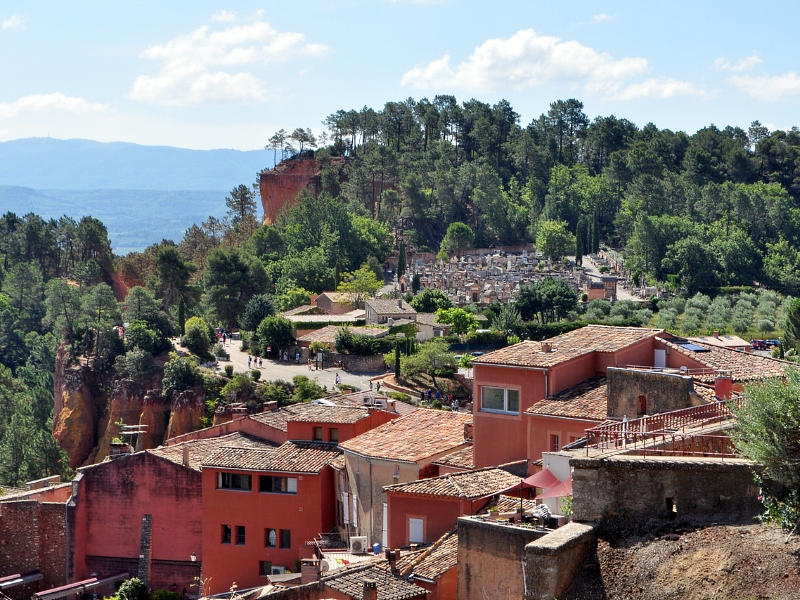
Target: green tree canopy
430 300
553 240
233 277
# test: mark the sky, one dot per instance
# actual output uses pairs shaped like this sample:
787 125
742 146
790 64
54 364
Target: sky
209 75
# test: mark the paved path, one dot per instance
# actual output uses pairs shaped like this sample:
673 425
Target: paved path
593 271
273 369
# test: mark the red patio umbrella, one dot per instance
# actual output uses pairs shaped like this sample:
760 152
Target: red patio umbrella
542 479
562 489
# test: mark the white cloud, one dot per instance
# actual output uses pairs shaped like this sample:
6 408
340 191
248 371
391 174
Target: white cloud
48 103
745 64
527 59
224 16
601 18
13 22
768 87
200 66
658 87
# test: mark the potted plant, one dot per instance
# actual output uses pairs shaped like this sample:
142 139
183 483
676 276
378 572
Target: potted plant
494 513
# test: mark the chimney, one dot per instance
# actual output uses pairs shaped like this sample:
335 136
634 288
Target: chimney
185 455
270 406
309 570
716 334
399 303
390 405
723 386
370 590
413 546
392 556
546 347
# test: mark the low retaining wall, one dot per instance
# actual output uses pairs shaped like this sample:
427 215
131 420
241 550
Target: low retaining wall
636 487
552 560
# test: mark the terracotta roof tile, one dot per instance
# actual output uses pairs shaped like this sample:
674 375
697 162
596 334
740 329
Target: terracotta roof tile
434 561
390 307
291 457
390 587
357 399
327 334
463 458
742 366
467 484
430 319
199 450
308 412
508 503
587 400
422 434
564 347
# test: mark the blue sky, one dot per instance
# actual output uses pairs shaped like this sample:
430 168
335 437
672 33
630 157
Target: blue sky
227 75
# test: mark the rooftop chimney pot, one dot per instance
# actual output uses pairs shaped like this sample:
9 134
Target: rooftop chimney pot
370 589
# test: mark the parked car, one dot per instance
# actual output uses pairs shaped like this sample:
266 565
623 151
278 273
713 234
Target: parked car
775 343
476 353
758 344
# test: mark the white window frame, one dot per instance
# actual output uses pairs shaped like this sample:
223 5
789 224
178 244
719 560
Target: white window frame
504 410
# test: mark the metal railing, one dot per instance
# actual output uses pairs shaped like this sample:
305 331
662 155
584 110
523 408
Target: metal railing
650 429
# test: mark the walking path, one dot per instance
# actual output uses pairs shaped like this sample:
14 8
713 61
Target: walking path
274 369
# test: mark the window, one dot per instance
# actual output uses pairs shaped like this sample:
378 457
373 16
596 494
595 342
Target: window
240 537
555 442
277 485
641 406
264 568
500 400
415 531
317 434
286 538
270 538
333 434
233 481
226 534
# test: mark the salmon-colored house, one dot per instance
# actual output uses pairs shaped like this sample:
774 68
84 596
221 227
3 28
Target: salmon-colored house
510 381
422 511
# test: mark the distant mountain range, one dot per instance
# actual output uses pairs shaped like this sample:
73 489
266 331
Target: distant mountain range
141 193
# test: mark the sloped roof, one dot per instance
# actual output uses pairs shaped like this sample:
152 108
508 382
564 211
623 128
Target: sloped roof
466 484
742 366
434 561
357 399
430 319
199 450
308 412
587 400
291 457
390 587
327 334
421 434
389 307
564 347
463 458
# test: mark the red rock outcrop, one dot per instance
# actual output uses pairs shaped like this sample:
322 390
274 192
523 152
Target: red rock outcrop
186 412
75 408
279 187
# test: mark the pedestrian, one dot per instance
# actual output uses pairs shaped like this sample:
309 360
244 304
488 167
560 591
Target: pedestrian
421 396
224 337
297 357
378 387
430 395
260 362
370 385
309 365
338 379
249 358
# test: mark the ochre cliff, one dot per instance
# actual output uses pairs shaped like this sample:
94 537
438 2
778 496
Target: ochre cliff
89 405
279 187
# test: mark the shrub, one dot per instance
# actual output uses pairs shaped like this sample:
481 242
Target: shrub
197 337
228 371
275 332
180 373
255 374
133 589
133 364
258 308
139 335
305 389
399 396
220 352
241 388
164 595
348 342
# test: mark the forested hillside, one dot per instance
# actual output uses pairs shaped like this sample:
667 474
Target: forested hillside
696 212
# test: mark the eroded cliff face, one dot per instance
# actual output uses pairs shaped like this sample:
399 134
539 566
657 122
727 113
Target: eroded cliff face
280 186
88 407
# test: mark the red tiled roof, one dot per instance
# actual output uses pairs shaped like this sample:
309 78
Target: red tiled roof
434 561
742 366
390 307
199 450
463 458
509 503
564 347
357 399
309 412
587 400
350 581
466 484
327 334
422 434
291 457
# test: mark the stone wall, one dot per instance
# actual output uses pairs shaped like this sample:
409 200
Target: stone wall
627 488
356 364
490 558
551 561
662 392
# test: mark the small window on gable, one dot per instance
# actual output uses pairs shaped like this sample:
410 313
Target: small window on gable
317 434
333 435
226 534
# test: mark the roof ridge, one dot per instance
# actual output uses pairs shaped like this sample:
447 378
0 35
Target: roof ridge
428 551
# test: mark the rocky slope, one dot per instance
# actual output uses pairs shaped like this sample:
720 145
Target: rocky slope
89 404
